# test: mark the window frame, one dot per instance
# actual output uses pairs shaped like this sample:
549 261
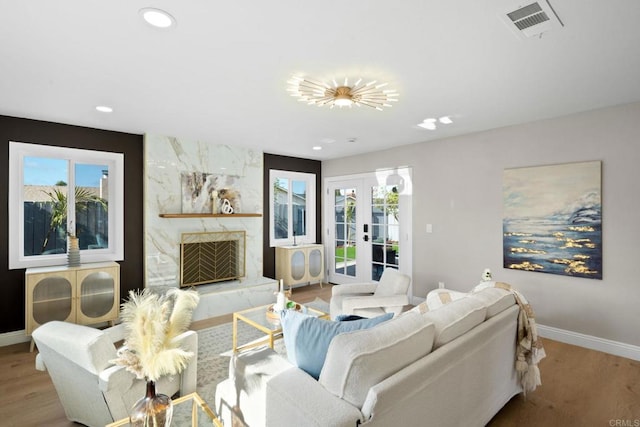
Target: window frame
310 206
115 162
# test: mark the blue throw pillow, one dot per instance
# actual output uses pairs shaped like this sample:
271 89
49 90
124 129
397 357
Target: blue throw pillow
307 338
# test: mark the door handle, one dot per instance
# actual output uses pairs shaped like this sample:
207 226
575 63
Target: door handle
365 238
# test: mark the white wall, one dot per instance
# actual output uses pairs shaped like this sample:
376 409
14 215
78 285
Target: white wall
458 189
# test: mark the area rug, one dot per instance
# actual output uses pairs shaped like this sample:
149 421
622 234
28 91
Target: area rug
214 345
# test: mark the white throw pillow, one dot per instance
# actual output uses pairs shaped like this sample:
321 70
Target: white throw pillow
358 360
496 300
420 308
455 319
439 297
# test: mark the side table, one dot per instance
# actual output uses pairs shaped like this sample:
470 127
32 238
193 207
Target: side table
201 414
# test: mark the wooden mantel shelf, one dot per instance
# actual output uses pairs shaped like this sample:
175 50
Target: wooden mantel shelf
206 215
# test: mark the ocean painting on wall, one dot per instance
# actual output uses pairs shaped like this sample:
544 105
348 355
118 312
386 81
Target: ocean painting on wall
552 219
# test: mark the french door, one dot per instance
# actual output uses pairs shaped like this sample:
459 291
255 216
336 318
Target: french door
368 223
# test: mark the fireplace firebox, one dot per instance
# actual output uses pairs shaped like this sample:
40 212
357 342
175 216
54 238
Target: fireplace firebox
211 257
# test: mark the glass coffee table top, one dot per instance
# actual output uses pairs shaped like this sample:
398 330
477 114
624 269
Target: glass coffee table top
197 413
266 320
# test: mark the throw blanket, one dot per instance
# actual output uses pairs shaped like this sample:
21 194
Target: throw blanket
530 350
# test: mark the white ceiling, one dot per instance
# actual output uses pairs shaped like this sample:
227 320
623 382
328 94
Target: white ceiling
220 75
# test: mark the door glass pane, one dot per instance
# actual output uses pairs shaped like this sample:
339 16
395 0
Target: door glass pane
385 229
45 205
281 208
299 206
339 260
92 216
346 231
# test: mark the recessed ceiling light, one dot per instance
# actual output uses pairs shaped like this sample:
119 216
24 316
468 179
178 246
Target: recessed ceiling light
104 109
431 123
157 17
428 124
317 148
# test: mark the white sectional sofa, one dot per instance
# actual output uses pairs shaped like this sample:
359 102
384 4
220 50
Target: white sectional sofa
453 366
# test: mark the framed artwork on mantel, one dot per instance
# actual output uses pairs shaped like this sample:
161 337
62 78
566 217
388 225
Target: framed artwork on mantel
552 219
210 193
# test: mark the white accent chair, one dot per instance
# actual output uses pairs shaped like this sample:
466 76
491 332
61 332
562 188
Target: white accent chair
388 295
92 390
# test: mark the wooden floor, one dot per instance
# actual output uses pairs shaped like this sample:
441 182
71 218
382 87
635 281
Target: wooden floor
580 387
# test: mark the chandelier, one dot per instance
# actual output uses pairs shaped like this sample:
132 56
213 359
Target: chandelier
343 94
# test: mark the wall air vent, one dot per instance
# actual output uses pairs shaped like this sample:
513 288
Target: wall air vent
532 19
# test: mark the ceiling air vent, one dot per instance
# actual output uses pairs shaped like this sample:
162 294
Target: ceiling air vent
533 19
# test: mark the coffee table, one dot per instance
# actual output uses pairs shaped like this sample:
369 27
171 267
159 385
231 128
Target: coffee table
201 414
270 325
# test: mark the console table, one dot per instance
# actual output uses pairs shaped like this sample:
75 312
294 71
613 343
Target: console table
300 264
87 294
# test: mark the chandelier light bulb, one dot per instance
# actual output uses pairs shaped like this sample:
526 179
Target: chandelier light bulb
343 102
431 123
343 97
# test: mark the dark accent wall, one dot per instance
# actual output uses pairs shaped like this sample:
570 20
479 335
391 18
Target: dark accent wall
293 164
12 294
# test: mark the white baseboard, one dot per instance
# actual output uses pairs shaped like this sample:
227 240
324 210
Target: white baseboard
15 337
587 341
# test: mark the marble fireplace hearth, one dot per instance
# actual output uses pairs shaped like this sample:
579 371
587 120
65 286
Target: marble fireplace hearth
217 299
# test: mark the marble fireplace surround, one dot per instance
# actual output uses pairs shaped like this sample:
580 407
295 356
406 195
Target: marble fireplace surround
165 158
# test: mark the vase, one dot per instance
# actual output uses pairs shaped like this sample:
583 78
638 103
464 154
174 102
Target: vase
73 252
153 410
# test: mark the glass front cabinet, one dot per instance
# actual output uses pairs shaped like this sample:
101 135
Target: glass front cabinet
87 294
300 264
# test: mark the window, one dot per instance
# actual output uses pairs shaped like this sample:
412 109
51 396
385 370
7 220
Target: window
292 207
55 192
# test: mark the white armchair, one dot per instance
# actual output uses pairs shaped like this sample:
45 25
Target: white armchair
92 390
388 295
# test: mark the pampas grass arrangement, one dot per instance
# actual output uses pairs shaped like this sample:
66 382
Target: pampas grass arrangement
153 321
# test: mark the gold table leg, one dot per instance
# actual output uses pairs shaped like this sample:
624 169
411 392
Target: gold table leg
235 332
